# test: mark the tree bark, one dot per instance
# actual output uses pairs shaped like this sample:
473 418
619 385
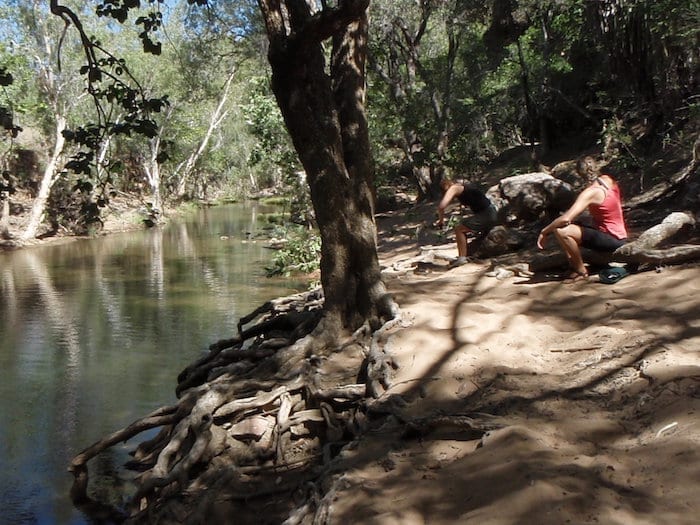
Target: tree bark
151 168
269 389
51 174
325 117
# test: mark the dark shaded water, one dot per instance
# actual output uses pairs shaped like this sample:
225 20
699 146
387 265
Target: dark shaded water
93 334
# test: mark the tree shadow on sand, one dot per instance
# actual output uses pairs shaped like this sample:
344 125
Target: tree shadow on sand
536 402
594 425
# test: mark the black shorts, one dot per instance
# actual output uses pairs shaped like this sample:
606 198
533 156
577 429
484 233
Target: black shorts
481 222
599 241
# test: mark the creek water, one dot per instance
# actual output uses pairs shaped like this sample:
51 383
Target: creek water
93 334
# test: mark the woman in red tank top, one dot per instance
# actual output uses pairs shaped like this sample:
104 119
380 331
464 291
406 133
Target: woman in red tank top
603 201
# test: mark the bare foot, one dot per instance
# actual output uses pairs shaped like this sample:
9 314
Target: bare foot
576 276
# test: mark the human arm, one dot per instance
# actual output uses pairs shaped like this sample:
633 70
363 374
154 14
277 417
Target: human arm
591 195
451 192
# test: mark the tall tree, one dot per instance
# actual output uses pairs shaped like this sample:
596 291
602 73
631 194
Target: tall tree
59 90
184 171
323 109
415 57
397 61
323 106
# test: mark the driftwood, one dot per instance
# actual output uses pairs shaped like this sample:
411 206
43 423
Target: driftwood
673 224
652 247
535 195
531 196
673 185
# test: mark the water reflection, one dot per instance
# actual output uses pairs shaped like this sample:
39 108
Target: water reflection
93 334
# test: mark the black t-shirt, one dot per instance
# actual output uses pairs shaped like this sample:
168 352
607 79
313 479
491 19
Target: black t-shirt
474 197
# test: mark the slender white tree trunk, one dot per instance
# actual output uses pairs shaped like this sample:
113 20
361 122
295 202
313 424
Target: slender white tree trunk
102 154
152 169
51 175
5 215
184 171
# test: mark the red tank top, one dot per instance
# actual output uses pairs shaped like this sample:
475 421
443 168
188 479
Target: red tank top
607 215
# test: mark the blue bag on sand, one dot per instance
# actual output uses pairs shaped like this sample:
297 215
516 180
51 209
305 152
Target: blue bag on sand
612 275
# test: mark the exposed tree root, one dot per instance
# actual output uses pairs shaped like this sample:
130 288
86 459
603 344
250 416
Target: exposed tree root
254 420
323 491
273 412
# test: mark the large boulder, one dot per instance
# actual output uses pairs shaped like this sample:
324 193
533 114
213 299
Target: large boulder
499 241
528 196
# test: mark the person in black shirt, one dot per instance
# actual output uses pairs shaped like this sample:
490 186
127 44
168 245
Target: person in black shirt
480 223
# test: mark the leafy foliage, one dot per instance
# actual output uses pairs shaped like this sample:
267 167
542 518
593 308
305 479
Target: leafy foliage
301 253
71 207
6 115
451 85
272 153
543 73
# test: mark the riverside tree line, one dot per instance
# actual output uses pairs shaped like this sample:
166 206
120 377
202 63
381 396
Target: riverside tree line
450 85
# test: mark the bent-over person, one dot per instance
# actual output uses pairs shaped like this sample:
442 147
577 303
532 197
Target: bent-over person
484 217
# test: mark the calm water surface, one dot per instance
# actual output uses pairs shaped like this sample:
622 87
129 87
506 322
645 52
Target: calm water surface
93 334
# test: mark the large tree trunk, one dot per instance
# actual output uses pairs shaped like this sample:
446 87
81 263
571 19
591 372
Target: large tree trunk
208 432
326 120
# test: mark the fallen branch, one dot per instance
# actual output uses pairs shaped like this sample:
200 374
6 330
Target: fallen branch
670 186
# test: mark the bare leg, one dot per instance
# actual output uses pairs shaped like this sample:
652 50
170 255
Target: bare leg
569 239
461 237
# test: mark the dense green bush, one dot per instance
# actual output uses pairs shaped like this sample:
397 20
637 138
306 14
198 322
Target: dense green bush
300 253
